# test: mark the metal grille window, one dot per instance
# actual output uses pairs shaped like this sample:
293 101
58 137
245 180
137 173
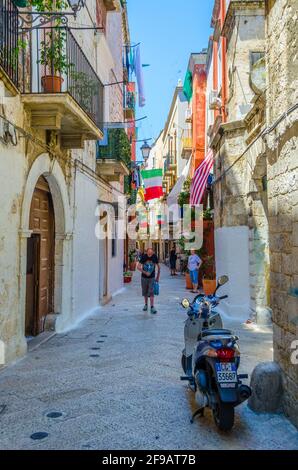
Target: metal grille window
9 49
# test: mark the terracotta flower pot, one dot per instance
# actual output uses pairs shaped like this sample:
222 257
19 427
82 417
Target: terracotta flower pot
209 286
188 281
127 279
52 83
133 265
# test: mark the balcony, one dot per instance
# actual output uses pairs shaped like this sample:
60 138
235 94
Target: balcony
114 159
188 115
129 103
9 72
111 5
169 166
186 147
60 89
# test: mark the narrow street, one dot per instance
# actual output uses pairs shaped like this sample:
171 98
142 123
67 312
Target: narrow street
114 383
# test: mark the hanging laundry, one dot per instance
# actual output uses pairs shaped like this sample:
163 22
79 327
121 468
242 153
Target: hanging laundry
139 75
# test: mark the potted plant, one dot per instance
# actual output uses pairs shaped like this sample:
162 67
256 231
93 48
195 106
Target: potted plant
209 275
188 283
52 48
132 260
127 277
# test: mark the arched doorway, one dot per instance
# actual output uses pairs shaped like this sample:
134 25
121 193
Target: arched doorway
40 260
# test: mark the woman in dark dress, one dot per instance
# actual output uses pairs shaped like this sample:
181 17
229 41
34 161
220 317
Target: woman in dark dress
173 260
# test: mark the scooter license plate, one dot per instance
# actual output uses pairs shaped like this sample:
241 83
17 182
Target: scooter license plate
226 372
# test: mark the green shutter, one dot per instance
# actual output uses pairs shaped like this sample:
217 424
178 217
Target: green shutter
21 3
187 87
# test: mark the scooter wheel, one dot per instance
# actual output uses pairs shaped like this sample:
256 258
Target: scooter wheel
224 415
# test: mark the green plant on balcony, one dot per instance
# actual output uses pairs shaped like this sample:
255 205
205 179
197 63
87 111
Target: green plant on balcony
83 87
184 196
207 215
12 55
52 48
118 147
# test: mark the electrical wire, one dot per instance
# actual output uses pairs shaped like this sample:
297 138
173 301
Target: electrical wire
262 134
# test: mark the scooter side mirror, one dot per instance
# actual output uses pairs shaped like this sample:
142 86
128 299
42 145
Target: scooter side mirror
222 280
185 303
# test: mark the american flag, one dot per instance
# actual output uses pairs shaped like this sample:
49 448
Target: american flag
199 181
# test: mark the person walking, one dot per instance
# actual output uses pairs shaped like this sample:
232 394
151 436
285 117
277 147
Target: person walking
173 261
194 263
150 269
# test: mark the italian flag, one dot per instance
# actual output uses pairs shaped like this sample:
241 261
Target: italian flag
153 184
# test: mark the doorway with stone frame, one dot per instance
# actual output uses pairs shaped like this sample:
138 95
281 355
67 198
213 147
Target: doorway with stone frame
40 260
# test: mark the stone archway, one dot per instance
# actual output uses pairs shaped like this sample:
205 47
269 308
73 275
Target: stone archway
51 171
259 242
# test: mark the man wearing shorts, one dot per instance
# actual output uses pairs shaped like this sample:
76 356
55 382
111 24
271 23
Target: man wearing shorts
194 263
148 266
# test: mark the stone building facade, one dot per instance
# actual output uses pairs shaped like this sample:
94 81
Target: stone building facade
282 172
241 229
53 269
256 175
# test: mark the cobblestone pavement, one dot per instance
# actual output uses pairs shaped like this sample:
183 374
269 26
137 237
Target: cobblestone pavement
115 381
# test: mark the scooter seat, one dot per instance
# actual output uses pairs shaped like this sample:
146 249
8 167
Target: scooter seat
216 332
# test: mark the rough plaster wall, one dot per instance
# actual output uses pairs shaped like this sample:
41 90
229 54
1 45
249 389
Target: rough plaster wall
12 169
115 42
86 248
231 248
282 157
248 35
282 58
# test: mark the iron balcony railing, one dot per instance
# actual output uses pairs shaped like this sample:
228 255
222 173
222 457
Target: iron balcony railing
9 43
52 61
129 100
117 148
169 163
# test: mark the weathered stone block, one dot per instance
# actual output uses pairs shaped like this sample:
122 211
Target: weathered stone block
290 399
281 242
295 235
287 263
266 384
275 262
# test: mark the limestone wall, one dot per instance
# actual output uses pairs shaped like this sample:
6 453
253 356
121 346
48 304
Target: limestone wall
282 159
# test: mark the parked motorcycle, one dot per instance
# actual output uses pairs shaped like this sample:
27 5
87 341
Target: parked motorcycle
211 360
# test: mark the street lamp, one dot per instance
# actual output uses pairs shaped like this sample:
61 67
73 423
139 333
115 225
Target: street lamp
145 149
76 5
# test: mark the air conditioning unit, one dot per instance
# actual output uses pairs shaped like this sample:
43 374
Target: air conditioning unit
214 100
188 115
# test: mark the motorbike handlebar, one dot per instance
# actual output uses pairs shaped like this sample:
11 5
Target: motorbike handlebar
223 297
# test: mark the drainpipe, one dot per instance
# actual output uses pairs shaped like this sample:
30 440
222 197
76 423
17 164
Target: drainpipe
215 73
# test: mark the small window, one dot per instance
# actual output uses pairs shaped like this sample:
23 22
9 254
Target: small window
264 183
255 56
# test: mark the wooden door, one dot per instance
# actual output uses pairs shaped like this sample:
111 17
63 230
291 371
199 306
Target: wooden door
32 282
42 224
